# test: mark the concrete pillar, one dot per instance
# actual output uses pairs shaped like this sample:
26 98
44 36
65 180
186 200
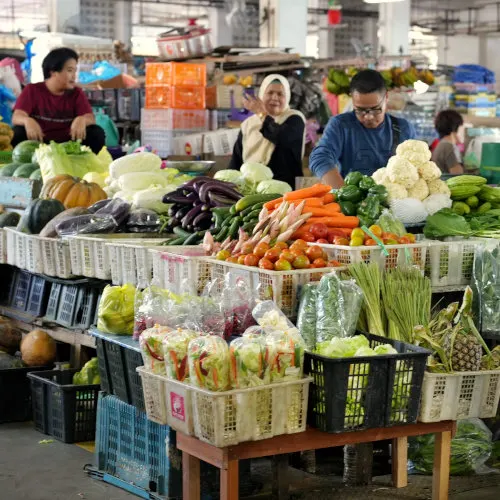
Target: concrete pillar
123 22
394 26
286 24
60 11
326 42
221 32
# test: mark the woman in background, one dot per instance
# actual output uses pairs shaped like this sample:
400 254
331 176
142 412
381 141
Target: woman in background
450 127
275 135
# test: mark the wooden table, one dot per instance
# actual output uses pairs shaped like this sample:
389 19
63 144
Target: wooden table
226 459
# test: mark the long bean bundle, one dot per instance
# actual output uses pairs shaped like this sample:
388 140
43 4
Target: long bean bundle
406 296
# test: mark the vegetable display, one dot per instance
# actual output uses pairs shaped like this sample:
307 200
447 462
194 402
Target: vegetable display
175 353
89 374
151 342
37 214
116 310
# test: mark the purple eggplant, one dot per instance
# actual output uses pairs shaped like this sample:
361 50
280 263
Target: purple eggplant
118 209
187 220
193 181
180 214
192 197
176 198
219 200
219 188
206 207
202 221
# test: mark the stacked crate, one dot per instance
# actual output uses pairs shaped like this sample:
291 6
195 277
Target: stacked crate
174 104
475 99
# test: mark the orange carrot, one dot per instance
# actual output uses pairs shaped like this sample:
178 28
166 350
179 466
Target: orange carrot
322 211
332 206
336 221
328 198
309 202
316 191
271 205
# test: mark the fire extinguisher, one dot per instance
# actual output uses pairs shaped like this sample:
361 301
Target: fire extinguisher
334 13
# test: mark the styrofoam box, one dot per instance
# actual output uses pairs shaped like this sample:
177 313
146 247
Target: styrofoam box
191 144
455 396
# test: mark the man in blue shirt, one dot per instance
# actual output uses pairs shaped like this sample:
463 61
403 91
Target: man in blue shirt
362 140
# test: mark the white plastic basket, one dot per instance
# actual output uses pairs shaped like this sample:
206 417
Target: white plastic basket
16 255
283 287
132 262
153 387
89 255
174 119
228 418
455 396
191 145
450 263
181 269
414 254
3 246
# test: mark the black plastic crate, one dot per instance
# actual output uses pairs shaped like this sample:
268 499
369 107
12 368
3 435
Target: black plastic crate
20 291
38 297
133 359
86 306
68 302
15 394
53 303
366 392
117 374
102 362
60 409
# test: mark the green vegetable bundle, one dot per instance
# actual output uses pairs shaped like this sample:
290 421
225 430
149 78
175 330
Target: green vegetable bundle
88 375
470 449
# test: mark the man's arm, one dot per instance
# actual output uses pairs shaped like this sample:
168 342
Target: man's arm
88 118
324 161
33 129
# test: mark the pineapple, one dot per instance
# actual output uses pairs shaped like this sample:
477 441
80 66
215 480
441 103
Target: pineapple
462 349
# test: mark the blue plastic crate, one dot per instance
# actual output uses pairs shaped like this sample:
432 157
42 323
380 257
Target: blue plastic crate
131 448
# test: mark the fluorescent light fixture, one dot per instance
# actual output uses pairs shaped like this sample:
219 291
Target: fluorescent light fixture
382 1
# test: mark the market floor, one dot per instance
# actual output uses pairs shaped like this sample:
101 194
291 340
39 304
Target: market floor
30 470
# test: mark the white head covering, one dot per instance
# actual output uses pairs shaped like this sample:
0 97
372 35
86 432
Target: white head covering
256 148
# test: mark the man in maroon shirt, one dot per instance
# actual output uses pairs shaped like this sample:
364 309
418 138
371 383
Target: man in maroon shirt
56 110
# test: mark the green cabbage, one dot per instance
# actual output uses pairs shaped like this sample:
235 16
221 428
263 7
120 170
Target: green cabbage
88 375
254 173
272 186
235 177
342 347
385 349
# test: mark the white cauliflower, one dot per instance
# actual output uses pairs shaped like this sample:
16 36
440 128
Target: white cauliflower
419 190
429 171
396 191
380 176
418 150
401 171
437 186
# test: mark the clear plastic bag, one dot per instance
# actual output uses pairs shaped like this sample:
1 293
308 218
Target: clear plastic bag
86 224
151 342
248 363
175 353
116 310
270 317
211 319
306 319
208 360
239 301
338 305
285 355
143 220
470 449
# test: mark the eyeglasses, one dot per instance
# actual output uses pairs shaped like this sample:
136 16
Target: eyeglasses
376 111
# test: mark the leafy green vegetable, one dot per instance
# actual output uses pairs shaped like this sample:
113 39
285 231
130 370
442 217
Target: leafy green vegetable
88 375
390 224
446 223
342 347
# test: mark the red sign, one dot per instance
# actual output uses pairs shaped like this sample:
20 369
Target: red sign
334 17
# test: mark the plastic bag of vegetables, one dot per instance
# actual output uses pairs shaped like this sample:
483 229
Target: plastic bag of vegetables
338 305
285 355
175 353
116 310
248 366
306 319
151 342
88 375
470 449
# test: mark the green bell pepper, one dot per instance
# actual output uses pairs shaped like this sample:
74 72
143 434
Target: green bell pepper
350 193
353 178
366 183
347 207
379 191
369 210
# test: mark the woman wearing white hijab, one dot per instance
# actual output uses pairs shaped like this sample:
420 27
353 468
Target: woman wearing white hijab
274 135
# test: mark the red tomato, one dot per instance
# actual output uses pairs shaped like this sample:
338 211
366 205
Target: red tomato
299 245
247 248
296 252
261 249
390 236
322 241
404 240
266 264
281 244
319 230
343 241
376 230
308 237
273 254
287 255
241 259
251 260
234 260
370 243
300 262
332 232
319 263
411 237
314 252
334 263
282 265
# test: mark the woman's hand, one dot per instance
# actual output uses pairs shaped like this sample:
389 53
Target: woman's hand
254 104
33 130
79 128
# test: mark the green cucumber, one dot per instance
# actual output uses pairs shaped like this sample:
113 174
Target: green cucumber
177 241
181 232
192 240
233 229
253 199
252 215
221 235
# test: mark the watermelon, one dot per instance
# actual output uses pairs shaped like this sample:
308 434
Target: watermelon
23 152
25 170
36 175
8 170
34 158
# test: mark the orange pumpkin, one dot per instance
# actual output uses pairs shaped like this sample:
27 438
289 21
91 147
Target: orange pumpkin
72 192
